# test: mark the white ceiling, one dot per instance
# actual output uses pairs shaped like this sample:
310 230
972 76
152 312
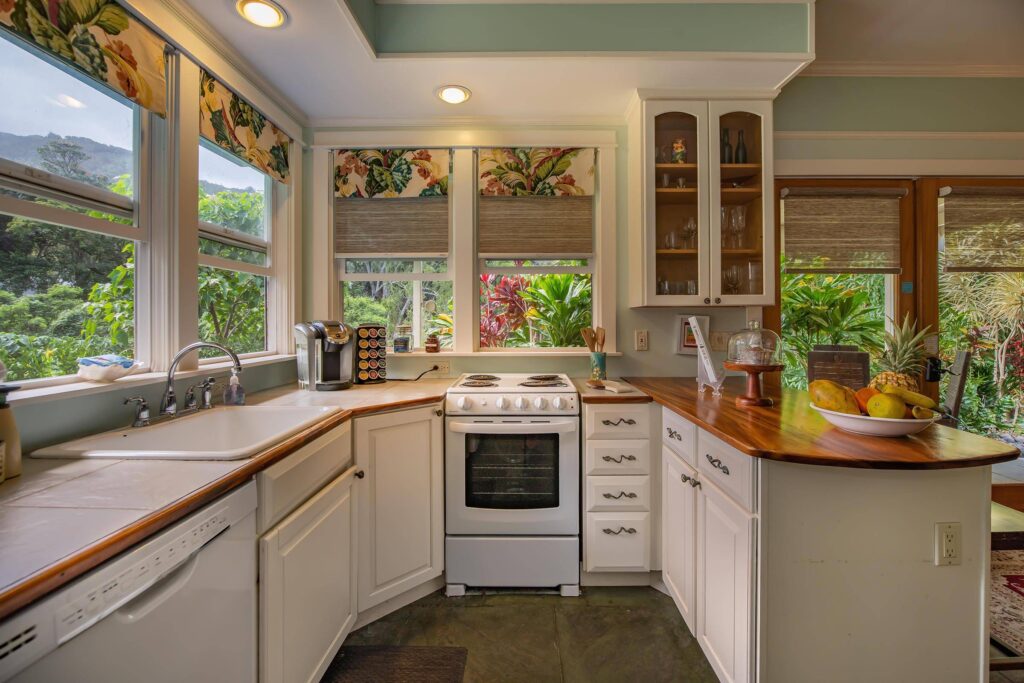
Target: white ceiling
319 62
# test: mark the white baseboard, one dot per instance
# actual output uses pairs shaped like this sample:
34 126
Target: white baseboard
398 602
620 578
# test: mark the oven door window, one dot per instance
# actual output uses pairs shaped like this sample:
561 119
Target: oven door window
512 471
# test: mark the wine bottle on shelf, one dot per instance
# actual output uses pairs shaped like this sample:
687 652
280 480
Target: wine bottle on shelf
726 147
741 148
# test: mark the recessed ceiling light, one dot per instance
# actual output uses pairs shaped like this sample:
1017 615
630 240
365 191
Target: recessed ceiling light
453 94
263 13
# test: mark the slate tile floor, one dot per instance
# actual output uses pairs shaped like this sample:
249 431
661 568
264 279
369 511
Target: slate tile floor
607 635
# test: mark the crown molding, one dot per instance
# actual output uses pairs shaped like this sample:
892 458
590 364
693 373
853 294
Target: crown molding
461 137
593 2
912 69
972 136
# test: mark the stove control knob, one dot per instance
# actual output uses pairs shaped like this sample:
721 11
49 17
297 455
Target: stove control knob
464 402
540 403
558 403
522 403
501 403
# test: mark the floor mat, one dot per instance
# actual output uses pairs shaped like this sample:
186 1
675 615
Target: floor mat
1006 599
398 664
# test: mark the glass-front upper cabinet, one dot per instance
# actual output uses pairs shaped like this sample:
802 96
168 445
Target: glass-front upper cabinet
676 150
742 232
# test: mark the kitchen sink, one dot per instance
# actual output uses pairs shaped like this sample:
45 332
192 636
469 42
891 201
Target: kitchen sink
223 433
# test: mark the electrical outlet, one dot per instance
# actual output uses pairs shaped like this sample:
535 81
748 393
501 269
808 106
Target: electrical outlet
947 544
640 340
720 341
444 367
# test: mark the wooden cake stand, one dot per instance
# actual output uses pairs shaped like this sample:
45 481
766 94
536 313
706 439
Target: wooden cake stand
753 397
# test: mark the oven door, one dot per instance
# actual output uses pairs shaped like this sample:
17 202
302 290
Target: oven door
512 477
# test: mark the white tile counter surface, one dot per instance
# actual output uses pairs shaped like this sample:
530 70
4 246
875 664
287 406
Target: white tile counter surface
60 507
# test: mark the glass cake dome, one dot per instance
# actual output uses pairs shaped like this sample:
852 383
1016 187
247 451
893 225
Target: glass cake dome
755 346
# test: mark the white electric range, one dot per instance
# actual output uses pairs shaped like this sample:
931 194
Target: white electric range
512 475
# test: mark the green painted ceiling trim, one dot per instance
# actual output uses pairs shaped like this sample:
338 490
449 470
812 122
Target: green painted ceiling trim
842 103
365 14
661 27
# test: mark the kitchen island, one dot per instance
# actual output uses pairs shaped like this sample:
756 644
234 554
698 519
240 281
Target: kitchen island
824 545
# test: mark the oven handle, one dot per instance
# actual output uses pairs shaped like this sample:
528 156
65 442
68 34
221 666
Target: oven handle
511 427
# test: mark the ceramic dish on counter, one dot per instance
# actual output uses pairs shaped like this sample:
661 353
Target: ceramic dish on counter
875 426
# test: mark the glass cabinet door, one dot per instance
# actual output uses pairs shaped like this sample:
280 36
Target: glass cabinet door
742 226
677 141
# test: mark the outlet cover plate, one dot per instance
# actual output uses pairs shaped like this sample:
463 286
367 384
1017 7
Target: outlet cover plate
948 544
444 367
641 340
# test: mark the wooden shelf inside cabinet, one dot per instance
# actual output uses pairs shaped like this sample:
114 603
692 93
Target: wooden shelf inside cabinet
741 252
688 171
740 195
734 171
676 252
676 195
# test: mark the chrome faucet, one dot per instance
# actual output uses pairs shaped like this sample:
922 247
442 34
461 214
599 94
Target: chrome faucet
169 404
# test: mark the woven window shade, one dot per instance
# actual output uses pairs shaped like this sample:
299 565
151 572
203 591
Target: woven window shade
841 230
983 228
413 226
510 227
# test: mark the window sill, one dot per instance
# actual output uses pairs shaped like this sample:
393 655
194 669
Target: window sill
73 387
497 353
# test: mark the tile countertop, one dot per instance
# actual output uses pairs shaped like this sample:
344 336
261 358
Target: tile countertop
61 518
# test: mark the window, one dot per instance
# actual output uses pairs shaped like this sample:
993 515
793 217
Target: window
535 241
68 228
391 237
841 264
234 245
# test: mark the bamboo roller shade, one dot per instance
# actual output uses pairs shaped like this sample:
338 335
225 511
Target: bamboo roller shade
984 229
841 230
407 226
535 225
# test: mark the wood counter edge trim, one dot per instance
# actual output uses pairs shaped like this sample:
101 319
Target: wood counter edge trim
395 405
35 586
616 398
848 463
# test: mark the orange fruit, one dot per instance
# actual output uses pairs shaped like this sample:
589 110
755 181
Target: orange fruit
863 395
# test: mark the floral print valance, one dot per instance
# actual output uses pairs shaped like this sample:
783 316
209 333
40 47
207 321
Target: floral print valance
389 173
99 38
234 125
543 171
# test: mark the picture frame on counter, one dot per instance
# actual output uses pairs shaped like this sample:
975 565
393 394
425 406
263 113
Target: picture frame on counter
686 340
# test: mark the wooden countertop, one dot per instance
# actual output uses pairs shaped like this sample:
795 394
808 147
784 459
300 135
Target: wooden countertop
791 431
589 394
62 518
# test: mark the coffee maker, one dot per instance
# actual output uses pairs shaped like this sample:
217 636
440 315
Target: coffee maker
323 349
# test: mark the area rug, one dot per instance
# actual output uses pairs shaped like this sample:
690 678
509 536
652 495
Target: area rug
407 664
1006 599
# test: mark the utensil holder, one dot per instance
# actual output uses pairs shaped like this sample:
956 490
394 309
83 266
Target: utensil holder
598 365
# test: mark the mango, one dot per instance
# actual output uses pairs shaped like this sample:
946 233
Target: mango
923 413
887 406
831 396
911 397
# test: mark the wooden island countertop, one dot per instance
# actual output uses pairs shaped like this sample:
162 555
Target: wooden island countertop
791 431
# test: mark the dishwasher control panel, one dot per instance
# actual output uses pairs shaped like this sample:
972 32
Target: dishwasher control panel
56 619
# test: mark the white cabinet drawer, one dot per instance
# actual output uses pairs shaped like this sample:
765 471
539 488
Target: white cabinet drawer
730 469
618 421
618 542
287 484
626 456
680 435
608 494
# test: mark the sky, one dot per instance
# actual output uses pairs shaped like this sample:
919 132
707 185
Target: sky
40 99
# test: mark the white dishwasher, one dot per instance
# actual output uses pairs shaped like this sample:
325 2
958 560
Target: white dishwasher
179 607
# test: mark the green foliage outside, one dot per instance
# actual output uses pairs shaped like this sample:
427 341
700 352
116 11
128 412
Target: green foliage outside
67 293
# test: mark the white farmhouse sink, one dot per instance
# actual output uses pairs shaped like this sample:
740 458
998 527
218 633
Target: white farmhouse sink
224 433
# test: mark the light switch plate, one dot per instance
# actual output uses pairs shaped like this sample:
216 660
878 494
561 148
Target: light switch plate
641 342
948 544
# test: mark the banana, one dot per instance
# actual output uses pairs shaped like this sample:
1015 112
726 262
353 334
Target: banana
911 397
923 413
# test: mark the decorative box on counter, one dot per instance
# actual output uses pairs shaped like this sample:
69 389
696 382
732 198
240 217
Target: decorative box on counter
371 354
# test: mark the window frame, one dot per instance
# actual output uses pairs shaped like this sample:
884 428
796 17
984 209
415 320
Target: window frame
464 264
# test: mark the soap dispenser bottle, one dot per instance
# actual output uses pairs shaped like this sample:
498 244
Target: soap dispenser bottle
234 393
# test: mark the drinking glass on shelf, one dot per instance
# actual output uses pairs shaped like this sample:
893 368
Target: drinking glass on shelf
666 180
662 286
753 276
731 280
724 226
737 226
673 240
691 287
689 233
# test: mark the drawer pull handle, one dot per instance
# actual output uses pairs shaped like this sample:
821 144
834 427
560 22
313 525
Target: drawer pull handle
618 460
613 532
695 484
621 421
686 479
360 474
673 434
621 494
717 462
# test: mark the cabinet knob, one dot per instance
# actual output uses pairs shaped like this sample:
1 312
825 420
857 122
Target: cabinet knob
718 299
440 412
360 474
707 299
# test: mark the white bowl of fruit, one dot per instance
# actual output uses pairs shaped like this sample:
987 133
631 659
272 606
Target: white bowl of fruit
890 411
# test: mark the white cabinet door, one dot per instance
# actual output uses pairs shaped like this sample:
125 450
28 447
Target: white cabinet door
725 584
679 532
401 502
308 586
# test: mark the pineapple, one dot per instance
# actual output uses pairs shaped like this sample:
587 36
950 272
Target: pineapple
903 357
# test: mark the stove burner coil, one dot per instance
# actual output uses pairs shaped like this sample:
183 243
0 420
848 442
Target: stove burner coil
482 378
478 384
543 383
542 378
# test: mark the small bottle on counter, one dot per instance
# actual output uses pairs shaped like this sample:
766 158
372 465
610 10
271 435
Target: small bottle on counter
433 344
402 341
